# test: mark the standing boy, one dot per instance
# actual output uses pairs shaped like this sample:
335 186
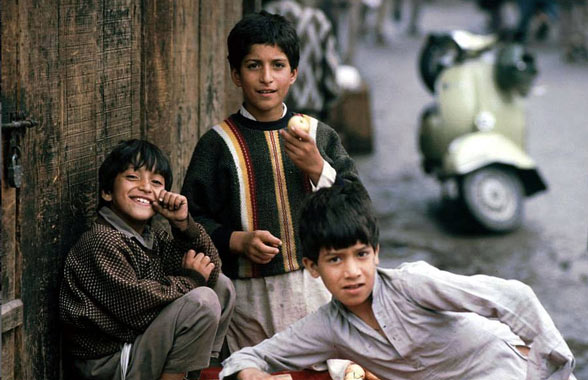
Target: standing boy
134 302
413 322
248 176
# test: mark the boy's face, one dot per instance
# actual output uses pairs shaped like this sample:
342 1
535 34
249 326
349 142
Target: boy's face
133 193
265 76
348 273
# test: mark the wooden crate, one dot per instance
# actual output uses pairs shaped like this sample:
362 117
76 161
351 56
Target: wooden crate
351 117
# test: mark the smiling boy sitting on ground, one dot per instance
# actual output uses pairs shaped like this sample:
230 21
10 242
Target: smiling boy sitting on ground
135 302
412 322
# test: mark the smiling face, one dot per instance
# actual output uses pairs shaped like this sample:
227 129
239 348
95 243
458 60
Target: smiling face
265 76
133 193
348 273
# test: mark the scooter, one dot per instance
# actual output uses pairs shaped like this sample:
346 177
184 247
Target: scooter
473 137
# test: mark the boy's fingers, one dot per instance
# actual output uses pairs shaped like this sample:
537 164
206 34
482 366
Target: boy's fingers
269 239
180 201
292 137
161 196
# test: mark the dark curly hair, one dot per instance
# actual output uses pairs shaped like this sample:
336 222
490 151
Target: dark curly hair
265 29
337 217
136 153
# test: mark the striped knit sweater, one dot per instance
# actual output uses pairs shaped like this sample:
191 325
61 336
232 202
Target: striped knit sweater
241 179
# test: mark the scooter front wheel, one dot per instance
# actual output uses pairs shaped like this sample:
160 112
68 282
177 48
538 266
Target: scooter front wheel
493 195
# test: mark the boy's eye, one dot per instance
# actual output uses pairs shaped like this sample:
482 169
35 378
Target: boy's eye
157 182
334 259
363 253
252 65
131 176
280 65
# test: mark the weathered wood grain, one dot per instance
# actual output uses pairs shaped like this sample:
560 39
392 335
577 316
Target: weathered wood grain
10 260
212 59
172 88
92 74
233 95
11 315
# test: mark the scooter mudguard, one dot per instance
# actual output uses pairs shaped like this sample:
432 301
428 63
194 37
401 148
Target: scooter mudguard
476 150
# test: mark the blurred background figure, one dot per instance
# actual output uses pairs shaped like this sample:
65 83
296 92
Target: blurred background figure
344 16
574 29
316 87
398 8
493 8
543 11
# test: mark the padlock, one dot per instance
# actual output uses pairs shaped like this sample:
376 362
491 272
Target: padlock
14 172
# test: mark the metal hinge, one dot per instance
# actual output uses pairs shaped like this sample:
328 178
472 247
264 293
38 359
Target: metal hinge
16 127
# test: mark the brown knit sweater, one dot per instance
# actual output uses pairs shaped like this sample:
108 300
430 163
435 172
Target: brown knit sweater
113 287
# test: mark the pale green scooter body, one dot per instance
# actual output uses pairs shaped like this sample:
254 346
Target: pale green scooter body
468 103
473 125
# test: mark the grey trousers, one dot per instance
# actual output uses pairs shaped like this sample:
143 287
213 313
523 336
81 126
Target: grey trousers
180 339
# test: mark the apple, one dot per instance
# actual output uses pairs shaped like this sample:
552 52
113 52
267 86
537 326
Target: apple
353 372
299 122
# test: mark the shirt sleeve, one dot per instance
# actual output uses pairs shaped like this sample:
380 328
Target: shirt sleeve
302 345
512 302
327 178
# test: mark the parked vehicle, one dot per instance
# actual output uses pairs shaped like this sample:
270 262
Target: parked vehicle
473 137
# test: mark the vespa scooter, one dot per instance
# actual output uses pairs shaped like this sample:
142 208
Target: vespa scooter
473 137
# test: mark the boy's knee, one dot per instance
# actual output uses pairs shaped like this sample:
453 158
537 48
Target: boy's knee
205 303
225 290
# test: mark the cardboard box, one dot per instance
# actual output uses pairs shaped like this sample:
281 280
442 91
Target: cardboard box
351 117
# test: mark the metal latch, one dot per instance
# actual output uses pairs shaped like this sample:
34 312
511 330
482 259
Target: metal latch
16 128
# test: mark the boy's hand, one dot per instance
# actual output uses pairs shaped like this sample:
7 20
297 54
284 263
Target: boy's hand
356 372
259 246
302 150
198 262
173 207
253 374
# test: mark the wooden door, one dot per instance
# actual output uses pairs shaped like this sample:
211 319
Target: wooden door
92 73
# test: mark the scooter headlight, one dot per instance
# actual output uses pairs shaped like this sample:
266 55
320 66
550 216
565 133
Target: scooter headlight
485 121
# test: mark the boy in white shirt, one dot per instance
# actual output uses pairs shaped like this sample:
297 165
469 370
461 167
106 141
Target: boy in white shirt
412 322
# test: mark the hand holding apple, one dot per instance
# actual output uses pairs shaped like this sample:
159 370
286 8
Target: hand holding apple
299 123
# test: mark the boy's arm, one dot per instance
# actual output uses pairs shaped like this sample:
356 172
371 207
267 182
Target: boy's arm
303 344
512 302
195 238
330 147
321 157
207 190
187 236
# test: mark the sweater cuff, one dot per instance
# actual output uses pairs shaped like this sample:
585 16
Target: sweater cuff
191 233
221 238
195 276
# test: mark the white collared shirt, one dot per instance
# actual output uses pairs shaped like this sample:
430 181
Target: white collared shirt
437 326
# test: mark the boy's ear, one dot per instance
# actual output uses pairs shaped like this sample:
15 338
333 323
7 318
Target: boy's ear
236 77
376 253
106 195
293 76
310 267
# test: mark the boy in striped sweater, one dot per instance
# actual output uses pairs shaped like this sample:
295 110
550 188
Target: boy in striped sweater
248 176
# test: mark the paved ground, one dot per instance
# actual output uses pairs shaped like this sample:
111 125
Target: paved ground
550 251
